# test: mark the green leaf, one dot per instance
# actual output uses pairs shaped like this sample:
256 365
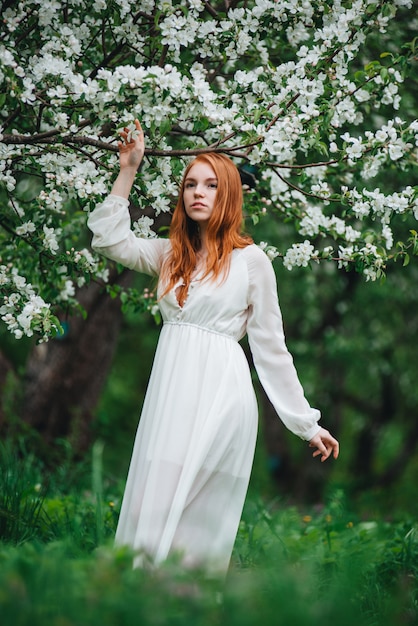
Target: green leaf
58 330
412 45
384 74
201 124
165 126
322 147
371 8
257 115
372 66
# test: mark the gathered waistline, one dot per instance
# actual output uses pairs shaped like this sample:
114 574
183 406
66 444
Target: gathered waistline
204 328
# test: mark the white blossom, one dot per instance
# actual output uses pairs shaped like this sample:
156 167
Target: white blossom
199 81
51 239
67 291
26 229
142 227
300 254
271 251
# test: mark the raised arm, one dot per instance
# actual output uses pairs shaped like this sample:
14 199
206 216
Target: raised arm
110 221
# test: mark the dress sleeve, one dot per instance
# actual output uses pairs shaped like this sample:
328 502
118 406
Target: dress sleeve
272 360
110 223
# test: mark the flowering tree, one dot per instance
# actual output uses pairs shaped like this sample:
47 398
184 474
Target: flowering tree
289 89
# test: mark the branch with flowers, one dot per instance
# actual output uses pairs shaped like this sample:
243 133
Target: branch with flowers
309 99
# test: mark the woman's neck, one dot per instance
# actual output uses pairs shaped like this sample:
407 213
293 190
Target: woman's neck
203 250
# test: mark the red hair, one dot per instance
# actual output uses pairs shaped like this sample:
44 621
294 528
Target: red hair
224 229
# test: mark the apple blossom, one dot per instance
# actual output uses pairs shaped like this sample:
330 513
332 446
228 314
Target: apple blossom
284 88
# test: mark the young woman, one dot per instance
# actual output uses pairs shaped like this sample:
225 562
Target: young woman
194 448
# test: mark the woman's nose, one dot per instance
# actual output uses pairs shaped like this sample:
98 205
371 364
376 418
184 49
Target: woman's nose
199 190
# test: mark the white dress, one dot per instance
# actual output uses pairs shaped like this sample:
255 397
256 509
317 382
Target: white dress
195 443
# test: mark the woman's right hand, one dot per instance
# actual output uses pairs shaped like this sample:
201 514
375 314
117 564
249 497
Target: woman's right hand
131 147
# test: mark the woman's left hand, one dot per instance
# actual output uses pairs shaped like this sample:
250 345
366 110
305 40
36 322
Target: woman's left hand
325 445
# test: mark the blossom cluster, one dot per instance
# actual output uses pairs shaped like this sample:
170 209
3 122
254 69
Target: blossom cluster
142 227
287 89
23 311
300 254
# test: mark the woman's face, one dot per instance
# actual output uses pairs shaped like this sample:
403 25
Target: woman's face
199 193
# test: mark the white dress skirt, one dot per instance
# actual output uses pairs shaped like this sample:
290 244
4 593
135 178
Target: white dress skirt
194 448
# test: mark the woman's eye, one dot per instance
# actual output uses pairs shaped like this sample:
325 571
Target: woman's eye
213 186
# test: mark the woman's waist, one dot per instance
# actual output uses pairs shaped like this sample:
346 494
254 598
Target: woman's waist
203 328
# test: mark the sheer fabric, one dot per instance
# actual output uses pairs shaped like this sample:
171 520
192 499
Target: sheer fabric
195 442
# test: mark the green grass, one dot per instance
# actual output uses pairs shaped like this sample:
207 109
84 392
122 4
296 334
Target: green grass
58 565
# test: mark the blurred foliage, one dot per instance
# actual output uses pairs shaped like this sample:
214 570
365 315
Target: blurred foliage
289 566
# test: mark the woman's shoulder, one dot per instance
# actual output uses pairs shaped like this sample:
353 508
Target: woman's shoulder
259 266
254 255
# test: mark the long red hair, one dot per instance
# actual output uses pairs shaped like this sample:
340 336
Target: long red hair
224 229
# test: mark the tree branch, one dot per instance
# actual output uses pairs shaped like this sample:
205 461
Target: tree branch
209 8
305 193
53 137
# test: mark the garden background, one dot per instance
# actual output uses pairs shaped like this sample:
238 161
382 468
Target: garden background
317 104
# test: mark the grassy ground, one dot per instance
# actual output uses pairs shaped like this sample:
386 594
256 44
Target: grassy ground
58 566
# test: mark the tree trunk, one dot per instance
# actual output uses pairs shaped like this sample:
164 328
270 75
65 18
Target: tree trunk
65 376
5 369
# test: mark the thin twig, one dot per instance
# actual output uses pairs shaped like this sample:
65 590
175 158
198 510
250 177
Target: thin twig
305 193
209 8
